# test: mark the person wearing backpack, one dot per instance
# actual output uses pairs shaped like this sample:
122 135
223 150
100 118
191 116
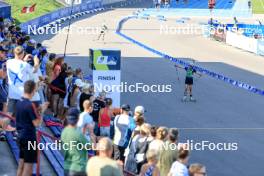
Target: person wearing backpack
124 125
141 146
138 146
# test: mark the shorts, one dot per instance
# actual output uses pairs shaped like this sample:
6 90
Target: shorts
3 94
29 155
96 129
105 131
1 106
74 173
189 81
11 105
119 153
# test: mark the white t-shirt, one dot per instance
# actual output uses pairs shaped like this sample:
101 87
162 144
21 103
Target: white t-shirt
156 145
122 124
179 169
36 76
18 73
85 119
65 101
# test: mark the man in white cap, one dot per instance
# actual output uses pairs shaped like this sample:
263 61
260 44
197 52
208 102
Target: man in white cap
139 110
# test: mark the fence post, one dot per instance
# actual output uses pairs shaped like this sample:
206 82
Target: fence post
38 154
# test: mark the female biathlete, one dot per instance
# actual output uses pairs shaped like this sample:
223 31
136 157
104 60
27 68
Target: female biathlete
190 71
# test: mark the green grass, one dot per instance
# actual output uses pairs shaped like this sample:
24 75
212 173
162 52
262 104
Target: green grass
258 6
42 7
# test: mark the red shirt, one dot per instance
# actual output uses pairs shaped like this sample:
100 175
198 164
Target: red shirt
105 118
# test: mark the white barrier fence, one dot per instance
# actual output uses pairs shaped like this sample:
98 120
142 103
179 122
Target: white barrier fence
106 2
261 47
241 41
246 43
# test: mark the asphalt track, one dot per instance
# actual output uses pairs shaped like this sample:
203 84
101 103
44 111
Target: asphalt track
223 113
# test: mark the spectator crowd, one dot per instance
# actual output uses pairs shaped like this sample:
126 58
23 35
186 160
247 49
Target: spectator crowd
34 82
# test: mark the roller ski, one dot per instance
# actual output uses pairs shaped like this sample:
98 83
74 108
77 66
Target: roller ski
188 99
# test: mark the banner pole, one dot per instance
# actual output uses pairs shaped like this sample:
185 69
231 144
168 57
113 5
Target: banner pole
67 38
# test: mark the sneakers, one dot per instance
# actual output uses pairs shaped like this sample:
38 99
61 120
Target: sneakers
192 99
15 135
2 136
184 98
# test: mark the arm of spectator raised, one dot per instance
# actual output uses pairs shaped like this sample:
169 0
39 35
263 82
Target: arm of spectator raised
36 64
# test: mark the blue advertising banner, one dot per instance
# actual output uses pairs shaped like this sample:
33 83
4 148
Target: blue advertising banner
5 10
260 47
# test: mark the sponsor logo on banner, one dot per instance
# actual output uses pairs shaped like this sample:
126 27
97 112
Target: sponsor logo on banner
107 60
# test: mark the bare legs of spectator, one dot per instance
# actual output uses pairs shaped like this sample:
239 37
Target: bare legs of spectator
61 110
49 96
119 153
24 169
55 104
4 107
